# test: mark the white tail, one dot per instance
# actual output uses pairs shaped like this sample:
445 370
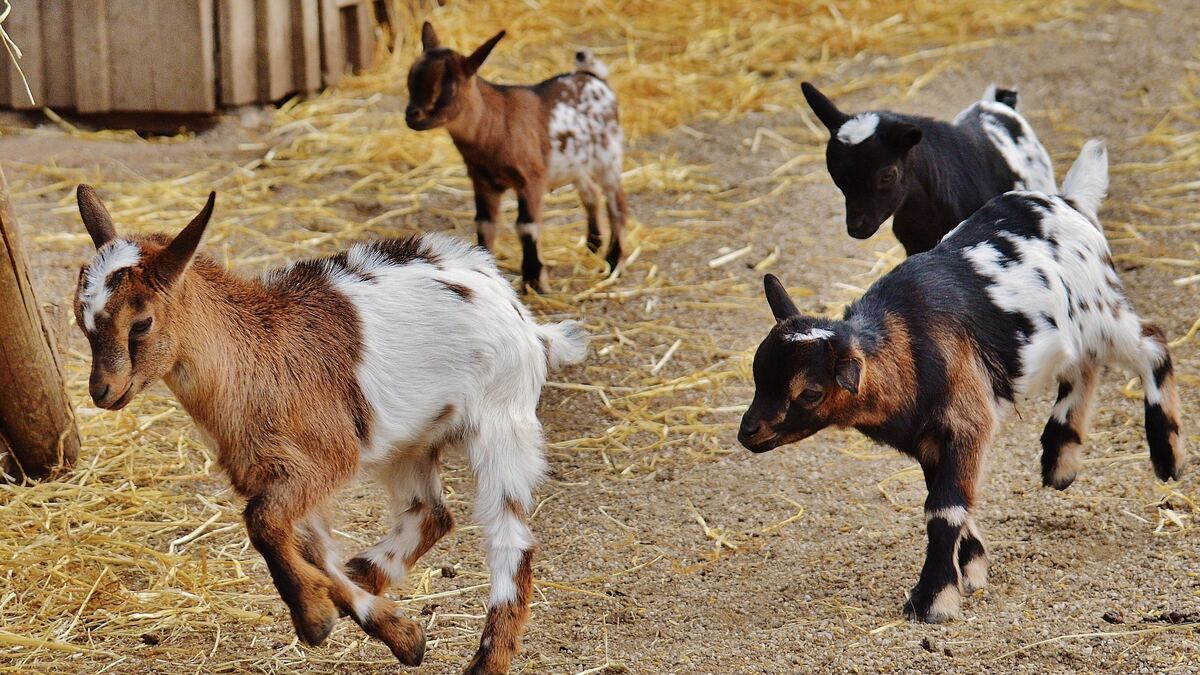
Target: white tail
1086 183
567 343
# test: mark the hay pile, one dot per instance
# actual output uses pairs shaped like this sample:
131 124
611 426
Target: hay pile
138 560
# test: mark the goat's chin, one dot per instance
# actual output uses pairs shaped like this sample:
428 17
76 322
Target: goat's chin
769 444
864 232
124 399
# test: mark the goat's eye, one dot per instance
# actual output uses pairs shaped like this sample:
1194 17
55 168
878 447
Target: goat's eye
140 327
888 176
811 395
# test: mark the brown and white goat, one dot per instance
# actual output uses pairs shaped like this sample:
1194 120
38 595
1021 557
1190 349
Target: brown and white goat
379 358
1020 295
527 138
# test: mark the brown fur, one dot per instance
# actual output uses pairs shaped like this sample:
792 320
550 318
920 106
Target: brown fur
290 439
505 623
502 133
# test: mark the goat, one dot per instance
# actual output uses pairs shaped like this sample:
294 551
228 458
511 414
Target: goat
929 174
530 139
1021 294
379 358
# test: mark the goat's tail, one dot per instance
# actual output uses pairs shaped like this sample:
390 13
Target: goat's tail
566 343
1006 96
586 62
1162 405
1086 183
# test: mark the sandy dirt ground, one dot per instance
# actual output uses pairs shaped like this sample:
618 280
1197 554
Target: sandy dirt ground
710 560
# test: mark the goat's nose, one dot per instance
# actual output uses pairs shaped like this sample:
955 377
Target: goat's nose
749 428
412 112
98 390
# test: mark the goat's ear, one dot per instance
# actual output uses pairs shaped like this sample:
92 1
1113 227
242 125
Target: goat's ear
480 55
779 300
95 217
175 258
847 370
429 38
902 136
826 111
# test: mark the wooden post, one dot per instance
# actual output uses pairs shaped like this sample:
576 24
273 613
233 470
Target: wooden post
37 424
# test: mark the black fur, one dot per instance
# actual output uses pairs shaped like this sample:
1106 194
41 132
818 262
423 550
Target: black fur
950 173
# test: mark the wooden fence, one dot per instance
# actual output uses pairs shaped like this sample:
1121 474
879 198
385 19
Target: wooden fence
183 56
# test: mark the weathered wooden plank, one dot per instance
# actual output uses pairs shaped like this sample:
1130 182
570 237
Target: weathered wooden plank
24 26
358 21
162 55
37 424
333 46
58 64
236 27
274 30
306 45
90 56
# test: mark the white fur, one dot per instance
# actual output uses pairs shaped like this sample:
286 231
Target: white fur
809 336
1086 183
955 516
1025 156
586 142
946 605
116 254
426 348
858 128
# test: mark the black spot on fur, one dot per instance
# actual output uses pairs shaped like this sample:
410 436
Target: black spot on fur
1007 96
1042 277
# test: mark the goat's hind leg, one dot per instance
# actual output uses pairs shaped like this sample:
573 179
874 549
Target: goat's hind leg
1163 412
507 463
419 516
379 617
589 196
1062 439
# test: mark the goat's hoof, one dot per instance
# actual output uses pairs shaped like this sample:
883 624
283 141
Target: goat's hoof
593 243
539 285
930 607
403 636
313 630
974 575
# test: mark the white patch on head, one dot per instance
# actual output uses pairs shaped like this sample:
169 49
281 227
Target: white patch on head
809 335
858 128
114 255
585 137
955 516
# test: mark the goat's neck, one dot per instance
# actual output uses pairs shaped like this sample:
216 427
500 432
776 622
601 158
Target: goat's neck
217 338
481 122
888 371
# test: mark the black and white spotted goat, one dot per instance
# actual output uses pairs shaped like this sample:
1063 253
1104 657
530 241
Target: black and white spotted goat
1022 294
930 174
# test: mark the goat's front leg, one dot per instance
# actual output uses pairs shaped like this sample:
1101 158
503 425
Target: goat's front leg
937 596
529 228
271 520
972 554
487 212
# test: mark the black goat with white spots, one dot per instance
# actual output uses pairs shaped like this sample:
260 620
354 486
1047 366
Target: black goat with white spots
1021 295
929 174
